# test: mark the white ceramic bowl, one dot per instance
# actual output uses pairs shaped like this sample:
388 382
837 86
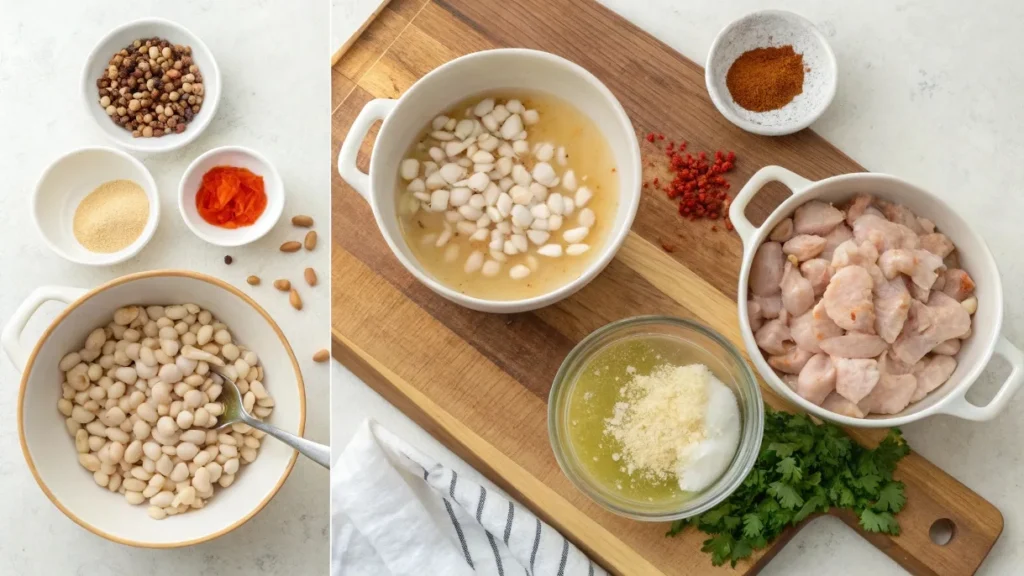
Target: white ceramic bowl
975 258
50 452
231 156
455 81
121 37
68 180
773 28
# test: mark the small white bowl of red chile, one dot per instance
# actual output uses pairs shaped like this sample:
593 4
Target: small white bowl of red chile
231 196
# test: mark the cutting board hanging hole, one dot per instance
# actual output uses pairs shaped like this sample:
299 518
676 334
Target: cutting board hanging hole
942 531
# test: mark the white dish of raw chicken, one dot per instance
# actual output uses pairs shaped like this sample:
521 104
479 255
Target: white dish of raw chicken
869 302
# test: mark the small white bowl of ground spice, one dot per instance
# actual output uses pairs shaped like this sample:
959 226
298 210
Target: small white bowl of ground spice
771 73
96 206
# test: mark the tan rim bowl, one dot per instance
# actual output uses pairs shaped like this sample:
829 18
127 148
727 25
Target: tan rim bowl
49 450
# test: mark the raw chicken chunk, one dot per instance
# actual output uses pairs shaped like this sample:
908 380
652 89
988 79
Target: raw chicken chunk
783 231
850 253
854 345
857 206
892 393
916 292
927 225
772 337
801 329
892 304
900 214
855 377
818 272
928 326
792 362
883 234
804 246
770 306
836 403
948 348
938 244
817 379
920 265
797 292
754 315
766 269
932 372
837 236
822 326
848 299
816 217
957 284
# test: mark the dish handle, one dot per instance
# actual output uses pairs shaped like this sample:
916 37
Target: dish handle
962 408
374 110
10 339
737 209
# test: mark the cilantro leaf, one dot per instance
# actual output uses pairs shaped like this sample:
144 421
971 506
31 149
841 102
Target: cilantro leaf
752 525
720 548
891 497
789 469
782 449
785 494
869 482
879 522
741 550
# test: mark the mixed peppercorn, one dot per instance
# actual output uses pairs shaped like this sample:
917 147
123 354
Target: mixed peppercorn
697 181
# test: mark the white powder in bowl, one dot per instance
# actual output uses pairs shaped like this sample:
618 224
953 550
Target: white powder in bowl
677 421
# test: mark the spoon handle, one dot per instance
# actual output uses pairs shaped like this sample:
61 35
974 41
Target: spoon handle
318 453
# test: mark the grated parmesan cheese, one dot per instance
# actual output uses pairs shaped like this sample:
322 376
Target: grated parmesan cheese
662 425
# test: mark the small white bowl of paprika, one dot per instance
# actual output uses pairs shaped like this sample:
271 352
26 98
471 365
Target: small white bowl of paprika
231 196
771 73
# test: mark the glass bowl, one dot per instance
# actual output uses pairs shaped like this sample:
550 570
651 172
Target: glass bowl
699 344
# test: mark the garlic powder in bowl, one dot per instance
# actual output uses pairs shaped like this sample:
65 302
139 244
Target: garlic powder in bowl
655 418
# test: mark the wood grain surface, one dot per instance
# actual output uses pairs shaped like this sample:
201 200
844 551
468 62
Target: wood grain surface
480 382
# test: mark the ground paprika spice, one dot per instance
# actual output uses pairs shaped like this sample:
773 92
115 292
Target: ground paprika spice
766 79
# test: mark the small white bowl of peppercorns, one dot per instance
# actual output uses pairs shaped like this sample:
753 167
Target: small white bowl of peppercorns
151 85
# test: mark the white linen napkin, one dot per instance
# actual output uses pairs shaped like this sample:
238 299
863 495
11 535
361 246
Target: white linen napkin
397 512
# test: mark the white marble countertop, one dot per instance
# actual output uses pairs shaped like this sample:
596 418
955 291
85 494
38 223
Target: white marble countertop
276 100
919 100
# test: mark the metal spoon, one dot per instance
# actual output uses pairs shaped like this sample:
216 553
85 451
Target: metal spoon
234 411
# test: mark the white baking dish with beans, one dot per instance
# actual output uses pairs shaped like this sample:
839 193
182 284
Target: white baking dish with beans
85 473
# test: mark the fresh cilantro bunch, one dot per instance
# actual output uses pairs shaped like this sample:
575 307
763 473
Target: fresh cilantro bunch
803 468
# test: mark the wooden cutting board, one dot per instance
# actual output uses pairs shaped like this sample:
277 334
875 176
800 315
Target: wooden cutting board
480 382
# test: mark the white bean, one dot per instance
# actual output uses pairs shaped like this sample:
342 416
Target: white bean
521 216
576 249
491 268
69 361
583 195
575 235
410 168
518 272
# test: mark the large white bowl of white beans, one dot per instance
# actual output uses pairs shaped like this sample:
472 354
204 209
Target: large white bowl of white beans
118 406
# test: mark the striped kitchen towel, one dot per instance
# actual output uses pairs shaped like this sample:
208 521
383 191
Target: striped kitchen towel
396 512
